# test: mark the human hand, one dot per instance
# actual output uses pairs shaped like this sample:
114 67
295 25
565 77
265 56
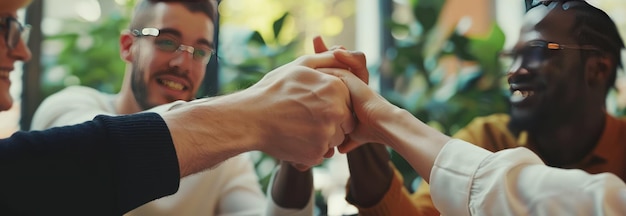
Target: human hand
298 113
363 98
369 170
368 106
355 62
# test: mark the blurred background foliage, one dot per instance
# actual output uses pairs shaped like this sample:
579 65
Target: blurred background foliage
447 88
87 53
260 55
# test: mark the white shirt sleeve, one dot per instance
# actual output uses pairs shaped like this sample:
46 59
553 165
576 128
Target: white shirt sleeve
78 104
468 180
275 209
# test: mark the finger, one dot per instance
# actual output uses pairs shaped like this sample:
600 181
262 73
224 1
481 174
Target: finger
300 167
318 44
356 61
337 138
329 153
359 91
337 47
353 83
316 162
320 60
348 124
348 145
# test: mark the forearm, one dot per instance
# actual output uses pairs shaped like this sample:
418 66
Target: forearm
208 133
370 174
418 143
99 166
292 188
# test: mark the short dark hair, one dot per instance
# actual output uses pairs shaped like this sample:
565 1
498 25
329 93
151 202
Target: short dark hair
142 12
592 27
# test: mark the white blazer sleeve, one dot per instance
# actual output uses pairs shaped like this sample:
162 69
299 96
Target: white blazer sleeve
468 180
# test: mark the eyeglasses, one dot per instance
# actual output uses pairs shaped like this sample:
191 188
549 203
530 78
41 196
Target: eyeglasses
534 53
169 43
530 4
13 31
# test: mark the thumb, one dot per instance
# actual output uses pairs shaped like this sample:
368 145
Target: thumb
318 44
348 145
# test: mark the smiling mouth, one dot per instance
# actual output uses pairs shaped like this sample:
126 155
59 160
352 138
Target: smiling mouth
4 74
520 95
172 85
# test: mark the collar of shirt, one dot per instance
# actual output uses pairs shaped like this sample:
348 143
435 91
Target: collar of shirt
607 149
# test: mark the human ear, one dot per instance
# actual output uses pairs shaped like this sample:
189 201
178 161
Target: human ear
126 44
598 70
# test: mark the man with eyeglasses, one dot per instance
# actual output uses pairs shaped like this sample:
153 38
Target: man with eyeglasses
167 47
559 74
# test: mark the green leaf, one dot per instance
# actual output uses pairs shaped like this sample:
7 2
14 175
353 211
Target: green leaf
278 25
257 39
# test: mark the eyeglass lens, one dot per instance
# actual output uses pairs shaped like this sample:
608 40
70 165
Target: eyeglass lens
14 32
530 56
169 44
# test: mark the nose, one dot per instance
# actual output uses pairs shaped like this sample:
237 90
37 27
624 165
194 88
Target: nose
518 67
518 74
20 52
183 59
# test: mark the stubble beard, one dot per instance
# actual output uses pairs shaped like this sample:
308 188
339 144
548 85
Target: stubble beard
140 89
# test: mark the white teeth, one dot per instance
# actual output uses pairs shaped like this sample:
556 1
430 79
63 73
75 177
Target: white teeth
521 95
173 85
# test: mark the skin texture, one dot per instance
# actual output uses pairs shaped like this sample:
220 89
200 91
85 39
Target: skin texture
382 122
561 80
9 57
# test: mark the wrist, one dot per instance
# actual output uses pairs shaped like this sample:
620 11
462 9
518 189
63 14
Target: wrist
206 133
392 125
292 188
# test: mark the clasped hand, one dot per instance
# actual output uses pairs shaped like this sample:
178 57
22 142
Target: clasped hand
323 99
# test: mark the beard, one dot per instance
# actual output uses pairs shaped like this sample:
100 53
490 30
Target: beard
526 121
140 88
550 115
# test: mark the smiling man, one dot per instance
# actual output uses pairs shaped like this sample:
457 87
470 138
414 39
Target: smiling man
167 47
559 74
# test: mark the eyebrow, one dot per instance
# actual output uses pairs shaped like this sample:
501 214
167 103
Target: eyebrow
178 34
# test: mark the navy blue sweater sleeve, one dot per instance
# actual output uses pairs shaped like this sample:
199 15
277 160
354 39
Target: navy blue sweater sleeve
107 166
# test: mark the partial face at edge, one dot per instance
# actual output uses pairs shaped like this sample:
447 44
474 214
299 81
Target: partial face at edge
160 77
8 8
